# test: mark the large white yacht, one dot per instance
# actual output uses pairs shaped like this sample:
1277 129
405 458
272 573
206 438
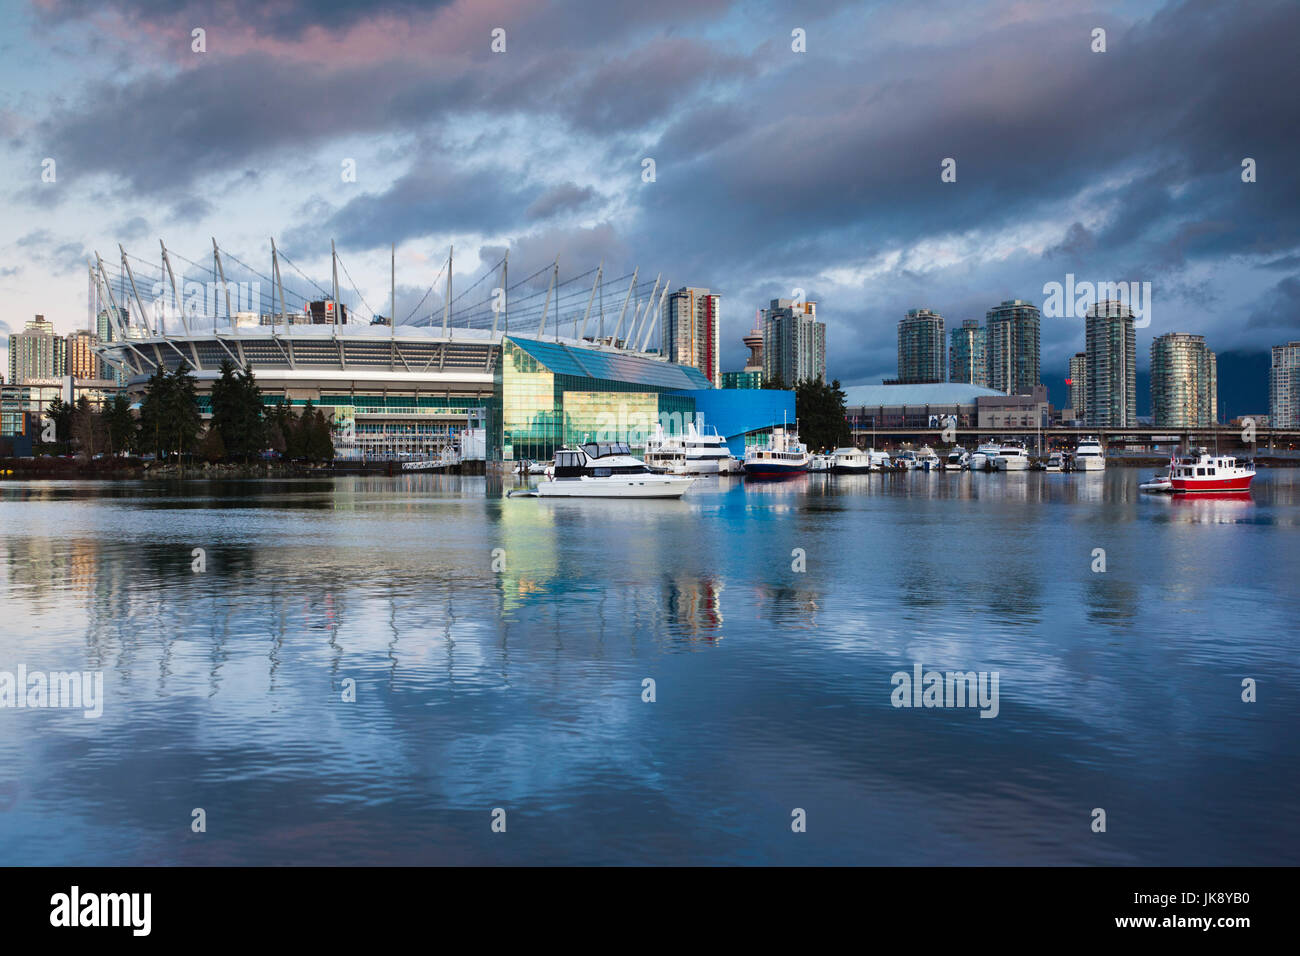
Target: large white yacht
1088 456
608 470
850 461
1011 457
666 454
783 455
982 458
926 459
706 451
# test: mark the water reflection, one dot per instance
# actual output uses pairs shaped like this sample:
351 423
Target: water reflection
498 648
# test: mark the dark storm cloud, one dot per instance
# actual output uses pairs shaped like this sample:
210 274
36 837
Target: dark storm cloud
286 19
567 197
1030 115
1280 308
430 198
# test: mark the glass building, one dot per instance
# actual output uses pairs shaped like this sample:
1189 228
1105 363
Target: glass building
1284 386
967 359
744 379
1184 381
794 343
1078 382
921 351
1112 366
1014 352
690 330
552 395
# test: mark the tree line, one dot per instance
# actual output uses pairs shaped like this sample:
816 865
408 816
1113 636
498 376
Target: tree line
170 425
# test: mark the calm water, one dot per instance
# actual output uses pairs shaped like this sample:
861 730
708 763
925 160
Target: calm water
522 688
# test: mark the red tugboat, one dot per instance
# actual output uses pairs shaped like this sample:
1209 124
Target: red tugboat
1205 472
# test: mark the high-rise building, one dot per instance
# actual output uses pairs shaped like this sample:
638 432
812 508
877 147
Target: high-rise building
1284 386
82 360
105 332
1184 381
1078 383
921 347
1013 350
794 343
967 360
690 330
1111 366
36 352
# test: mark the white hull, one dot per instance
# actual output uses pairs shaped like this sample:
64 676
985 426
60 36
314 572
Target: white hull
702 466
1089 464
1010 464
638 486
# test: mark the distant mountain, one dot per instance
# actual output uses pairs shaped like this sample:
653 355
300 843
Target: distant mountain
1243 386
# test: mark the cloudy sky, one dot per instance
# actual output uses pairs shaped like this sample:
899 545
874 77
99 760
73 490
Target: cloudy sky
774 169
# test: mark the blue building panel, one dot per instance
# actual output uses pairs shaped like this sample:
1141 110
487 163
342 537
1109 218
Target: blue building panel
736 412
612 366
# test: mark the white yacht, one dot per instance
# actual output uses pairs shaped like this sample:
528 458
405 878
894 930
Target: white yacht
957 459
1056 461
608 470
906 459
1088 456
926 459
783 455
706 451
821 463
850 461
982 458
1011 457
666 454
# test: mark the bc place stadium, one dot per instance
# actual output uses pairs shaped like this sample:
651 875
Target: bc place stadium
494 372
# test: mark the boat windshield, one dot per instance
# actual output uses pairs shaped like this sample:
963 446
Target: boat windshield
603 449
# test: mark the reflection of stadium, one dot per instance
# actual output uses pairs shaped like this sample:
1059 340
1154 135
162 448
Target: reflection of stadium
495 376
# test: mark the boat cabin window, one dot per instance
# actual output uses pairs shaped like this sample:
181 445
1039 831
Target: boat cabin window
601 449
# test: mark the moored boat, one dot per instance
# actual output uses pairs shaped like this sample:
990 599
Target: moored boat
850 461
1089 456
783 455
608 470
1203 472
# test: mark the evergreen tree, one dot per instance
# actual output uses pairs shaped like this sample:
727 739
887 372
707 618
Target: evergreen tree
152 412
121 425
225 406
822 412
250 423
181 411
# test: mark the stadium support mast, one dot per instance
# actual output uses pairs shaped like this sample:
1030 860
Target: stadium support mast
555 274
144 316
334 265
221 272
591 298
171 276
653 320
618 329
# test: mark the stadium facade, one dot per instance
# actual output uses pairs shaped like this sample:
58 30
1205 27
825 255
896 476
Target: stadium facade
413 391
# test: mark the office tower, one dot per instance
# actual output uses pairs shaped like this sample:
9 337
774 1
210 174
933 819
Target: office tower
1013 347
1111 366
1284 387
794 343
82 360
921 347
1184 381
690 330
1079 385
967 359
36 353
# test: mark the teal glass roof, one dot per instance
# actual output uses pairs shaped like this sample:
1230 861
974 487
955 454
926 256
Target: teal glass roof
614 366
